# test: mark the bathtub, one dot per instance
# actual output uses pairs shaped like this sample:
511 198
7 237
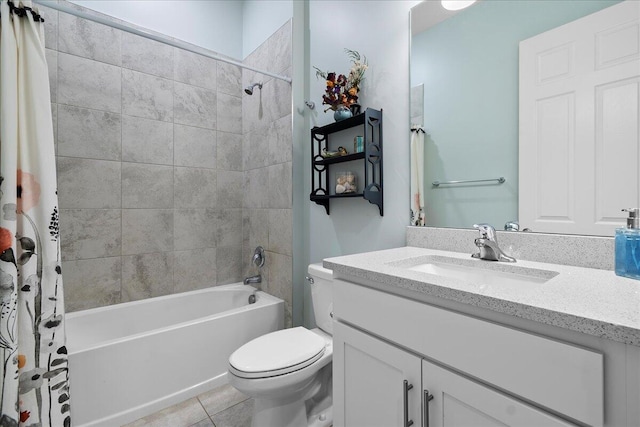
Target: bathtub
129 360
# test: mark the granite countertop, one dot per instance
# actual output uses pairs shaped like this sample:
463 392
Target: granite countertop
591 301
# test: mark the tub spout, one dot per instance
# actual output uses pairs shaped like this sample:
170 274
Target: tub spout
253 279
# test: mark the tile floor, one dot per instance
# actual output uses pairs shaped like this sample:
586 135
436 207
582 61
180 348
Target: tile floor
220 407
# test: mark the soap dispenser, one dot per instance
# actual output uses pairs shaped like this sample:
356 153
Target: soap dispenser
628 246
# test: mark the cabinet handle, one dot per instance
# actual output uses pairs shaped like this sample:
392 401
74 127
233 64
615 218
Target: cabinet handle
427 398
407 387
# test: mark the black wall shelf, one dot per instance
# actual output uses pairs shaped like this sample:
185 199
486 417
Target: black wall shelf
371 121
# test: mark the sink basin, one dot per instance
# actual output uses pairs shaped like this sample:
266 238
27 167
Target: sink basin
477 271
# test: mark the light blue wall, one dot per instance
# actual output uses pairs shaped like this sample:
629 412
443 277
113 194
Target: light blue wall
260 19
214 25
379 30
469 66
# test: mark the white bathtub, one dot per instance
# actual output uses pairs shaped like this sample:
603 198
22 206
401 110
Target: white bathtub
129 360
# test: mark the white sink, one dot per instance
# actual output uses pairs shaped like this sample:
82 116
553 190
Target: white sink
477 271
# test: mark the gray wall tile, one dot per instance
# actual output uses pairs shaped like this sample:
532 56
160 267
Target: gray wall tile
280 141
85 183
267 150
91 283
86 83
256 188
147 186
229 155
229 264
229 227
194 269
88 39
279 47
92 134
147 141
147 96
50 26
195 229
195 70
281 231
147 276
255 150
195 147
90 233
195 188
194 106
147 56
255 231
229 113
139 249
277 95
52 66
280 185
229 79
230 189
280 281
255 117
146 230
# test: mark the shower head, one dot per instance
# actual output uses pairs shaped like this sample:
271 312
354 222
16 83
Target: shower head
249 89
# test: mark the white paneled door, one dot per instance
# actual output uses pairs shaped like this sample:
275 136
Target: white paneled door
579 157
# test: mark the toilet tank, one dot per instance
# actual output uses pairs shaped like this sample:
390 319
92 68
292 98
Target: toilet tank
322 296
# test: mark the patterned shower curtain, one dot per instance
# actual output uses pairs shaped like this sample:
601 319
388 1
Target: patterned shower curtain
33 356
417 176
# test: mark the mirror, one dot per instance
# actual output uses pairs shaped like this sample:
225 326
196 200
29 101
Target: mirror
465 86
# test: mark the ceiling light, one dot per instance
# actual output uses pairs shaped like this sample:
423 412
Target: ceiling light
456 4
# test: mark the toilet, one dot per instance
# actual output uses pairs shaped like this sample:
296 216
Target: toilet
288 372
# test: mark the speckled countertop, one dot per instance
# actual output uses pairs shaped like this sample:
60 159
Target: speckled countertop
591 301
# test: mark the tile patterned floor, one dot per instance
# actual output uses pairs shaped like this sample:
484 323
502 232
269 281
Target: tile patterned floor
220 407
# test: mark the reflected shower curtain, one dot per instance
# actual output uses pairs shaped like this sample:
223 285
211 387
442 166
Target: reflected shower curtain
417 176
33 356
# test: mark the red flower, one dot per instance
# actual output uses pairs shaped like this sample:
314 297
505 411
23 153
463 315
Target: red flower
6 239
24 416
28 191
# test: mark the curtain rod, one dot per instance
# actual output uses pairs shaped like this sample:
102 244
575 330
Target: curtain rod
175 43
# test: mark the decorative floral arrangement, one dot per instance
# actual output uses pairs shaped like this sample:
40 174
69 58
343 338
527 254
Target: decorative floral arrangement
342 91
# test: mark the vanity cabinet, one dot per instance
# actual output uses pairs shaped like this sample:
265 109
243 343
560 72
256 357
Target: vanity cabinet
368 161
381 385
463 402
479 372
376 380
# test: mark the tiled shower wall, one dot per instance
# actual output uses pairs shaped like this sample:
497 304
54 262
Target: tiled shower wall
267 158
150 166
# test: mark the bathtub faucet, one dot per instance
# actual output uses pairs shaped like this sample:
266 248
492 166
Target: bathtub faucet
253 279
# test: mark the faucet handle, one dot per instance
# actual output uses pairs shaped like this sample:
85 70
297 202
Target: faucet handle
486 231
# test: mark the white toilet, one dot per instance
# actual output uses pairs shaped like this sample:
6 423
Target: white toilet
288 372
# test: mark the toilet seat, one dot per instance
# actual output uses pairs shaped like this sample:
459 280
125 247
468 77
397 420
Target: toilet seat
277 353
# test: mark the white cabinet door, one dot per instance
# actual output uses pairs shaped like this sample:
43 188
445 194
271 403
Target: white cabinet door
461 402
580 123
368 382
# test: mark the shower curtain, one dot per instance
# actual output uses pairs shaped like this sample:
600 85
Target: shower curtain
33 356
417 176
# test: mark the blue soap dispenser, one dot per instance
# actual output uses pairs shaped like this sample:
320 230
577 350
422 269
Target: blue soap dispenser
628 246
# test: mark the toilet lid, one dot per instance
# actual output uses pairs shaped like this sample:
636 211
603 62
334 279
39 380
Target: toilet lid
277 353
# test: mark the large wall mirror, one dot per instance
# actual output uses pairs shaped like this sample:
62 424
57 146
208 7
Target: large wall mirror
465 89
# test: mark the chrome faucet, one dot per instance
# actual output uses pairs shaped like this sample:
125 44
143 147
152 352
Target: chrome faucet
258 260
253 279
487 244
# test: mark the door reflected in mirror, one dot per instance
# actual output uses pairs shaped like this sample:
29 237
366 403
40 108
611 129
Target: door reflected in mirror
465 69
